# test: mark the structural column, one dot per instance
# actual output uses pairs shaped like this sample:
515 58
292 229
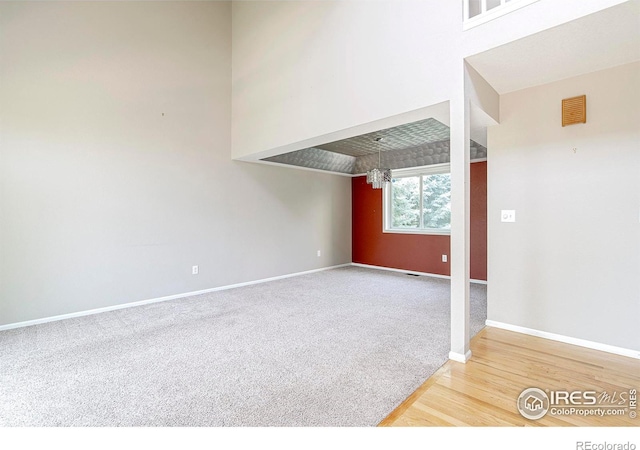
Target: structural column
459 110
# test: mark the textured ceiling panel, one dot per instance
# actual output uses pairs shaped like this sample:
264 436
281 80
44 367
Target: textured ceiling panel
422 155
411 145
396 138
316 158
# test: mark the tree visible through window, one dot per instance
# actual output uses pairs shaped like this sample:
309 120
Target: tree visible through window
419 202
406 202
436 201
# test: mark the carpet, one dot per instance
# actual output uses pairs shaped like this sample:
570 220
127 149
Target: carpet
342 347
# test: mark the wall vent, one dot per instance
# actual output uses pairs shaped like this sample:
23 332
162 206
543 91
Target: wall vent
574 110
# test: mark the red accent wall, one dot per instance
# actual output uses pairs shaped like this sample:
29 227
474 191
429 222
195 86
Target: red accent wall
417 252
478 243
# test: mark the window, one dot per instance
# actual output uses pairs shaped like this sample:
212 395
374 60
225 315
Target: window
418 200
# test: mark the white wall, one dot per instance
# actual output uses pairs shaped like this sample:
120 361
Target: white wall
570 265
534 18
115 168
307 69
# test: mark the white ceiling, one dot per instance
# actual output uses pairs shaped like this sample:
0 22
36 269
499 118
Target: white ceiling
606 39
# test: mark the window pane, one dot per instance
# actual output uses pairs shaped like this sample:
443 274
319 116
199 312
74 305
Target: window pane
492 4
436 200
474 8
405 196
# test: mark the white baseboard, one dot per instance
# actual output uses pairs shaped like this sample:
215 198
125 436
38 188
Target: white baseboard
89 312
413 272
566 339
459 357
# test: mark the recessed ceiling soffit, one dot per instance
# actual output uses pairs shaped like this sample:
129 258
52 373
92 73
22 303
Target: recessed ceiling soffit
410 145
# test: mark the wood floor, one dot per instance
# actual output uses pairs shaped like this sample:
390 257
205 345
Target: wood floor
484 391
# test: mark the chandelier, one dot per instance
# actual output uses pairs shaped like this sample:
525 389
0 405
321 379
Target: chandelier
378 176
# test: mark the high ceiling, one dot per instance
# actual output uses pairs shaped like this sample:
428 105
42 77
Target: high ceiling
595 42
598 41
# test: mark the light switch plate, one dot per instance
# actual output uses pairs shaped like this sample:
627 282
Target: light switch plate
508 215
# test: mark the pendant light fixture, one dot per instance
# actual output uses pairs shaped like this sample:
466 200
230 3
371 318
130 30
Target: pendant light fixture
378 176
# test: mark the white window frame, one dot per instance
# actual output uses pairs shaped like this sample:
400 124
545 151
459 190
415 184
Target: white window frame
487 15
387 204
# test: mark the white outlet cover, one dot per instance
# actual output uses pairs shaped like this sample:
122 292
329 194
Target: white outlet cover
508 215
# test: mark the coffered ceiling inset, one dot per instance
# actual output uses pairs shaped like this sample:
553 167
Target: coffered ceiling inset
397 138
410 145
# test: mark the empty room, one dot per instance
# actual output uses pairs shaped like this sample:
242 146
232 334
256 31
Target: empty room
320 214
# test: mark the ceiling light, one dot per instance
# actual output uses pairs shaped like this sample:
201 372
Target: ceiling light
378 176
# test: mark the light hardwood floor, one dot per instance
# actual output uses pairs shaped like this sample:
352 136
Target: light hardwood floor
484 391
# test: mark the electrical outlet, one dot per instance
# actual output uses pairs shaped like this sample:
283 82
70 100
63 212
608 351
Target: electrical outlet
444 258
195 270
319 253
508 215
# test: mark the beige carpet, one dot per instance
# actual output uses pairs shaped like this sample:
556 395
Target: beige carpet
341 347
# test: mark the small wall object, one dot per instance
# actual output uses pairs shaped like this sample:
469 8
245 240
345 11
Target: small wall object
574 110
